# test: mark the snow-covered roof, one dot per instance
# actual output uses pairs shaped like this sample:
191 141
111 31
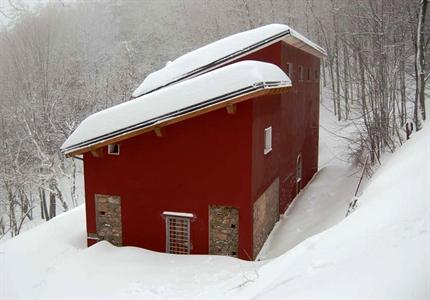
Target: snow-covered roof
221 52
191 95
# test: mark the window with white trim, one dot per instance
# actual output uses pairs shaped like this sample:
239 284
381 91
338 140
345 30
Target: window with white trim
267 140
113 149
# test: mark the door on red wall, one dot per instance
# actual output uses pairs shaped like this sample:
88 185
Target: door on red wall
223 230
108 219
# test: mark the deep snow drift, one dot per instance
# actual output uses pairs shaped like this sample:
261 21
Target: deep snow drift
380 251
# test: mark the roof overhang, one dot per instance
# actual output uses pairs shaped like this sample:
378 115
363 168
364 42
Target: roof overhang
289 36
297 42
214 104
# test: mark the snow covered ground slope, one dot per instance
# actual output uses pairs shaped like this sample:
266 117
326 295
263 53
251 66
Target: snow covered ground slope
380 251
324 202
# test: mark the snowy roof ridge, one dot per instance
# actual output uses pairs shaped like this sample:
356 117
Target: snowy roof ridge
191 95
219 53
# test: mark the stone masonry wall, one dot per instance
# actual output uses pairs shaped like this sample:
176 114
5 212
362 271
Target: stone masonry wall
108 219
223 230
266 214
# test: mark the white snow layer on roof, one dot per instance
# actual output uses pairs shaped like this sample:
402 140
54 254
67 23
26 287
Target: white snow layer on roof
216 52
220 82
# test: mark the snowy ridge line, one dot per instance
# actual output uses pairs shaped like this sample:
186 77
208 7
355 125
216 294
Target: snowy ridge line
219 62
243 91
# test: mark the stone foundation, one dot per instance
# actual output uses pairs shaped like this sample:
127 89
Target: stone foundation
266 214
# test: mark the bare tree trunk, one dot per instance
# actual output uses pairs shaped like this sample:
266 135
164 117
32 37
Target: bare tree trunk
346 83
43 204
52 205
402 86
419 62
337 91
333 86
323 72
12 214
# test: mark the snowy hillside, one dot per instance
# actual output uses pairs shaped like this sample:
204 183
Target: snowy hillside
381 250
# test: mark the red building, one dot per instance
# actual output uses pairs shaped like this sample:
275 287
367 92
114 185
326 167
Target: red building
211 151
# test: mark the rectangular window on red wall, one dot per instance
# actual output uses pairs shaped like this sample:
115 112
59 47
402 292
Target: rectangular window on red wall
300 73
267 140
290 70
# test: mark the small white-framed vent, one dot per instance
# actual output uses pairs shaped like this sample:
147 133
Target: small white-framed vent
267 140
113 149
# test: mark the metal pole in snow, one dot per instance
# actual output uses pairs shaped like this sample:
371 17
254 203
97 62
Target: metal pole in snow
354 200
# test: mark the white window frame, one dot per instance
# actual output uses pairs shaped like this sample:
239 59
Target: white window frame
111 147
268 140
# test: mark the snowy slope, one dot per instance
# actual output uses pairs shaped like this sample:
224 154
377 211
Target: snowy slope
380 251
324 202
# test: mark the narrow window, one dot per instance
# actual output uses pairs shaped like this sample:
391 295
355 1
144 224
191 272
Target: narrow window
178 232
113 149
300 73
267 140
299 173
317 76
309 74
290 70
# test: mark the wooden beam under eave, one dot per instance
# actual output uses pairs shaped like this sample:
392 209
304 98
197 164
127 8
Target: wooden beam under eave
231 108
97 152
180 118
159 131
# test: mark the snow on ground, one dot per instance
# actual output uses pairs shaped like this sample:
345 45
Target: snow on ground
380 251
52 261
324 202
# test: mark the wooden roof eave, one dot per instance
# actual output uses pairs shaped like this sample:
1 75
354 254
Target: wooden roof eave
173 120
297 43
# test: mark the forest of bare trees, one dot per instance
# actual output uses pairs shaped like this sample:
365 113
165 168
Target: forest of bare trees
376 57
61 61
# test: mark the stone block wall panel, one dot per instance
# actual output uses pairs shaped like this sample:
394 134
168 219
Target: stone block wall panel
108 219
223 230
266 214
